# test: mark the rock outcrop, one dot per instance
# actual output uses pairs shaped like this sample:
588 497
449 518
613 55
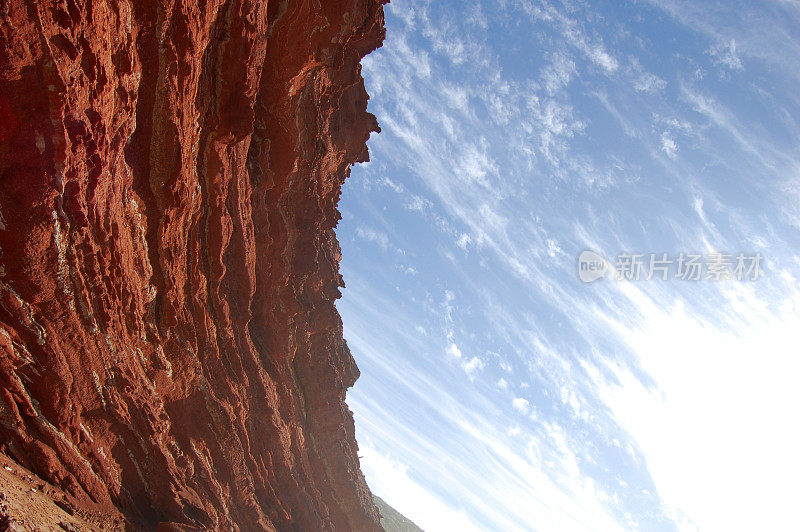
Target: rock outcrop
394 521
169 176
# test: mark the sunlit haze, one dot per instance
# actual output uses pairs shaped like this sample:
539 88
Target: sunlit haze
498 390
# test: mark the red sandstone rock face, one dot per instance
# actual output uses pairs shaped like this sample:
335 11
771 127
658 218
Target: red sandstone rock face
169 174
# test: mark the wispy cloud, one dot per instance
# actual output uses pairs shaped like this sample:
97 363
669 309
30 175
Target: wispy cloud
521 405
725 55
454 351
372 235
472 366
502 393
742 31
573 34
668 145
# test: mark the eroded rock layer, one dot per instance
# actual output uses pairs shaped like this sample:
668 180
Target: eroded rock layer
169 175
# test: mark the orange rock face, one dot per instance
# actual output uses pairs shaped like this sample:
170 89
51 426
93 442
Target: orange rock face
169 175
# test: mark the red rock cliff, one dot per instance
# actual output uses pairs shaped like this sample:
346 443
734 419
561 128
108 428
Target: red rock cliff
169 175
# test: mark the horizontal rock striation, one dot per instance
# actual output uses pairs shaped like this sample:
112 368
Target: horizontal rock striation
169 179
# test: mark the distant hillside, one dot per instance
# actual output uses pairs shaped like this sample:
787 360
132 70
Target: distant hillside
392 520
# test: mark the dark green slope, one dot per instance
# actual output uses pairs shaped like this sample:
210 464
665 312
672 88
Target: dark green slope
392 520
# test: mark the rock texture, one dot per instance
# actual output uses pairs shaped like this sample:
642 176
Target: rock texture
169 175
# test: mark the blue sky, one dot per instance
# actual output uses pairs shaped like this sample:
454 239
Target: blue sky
498 391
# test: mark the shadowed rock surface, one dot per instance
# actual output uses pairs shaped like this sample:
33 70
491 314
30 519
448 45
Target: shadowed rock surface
170 352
